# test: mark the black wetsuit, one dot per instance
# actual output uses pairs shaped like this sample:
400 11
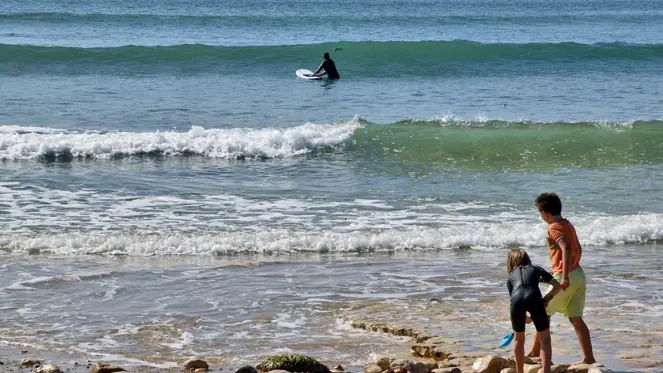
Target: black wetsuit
330 69
523 285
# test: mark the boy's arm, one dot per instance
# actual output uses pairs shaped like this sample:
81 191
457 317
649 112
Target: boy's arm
547 277
566 259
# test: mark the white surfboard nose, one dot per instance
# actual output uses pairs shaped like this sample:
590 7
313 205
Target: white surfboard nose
306 74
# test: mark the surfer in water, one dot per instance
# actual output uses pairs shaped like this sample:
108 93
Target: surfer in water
329 68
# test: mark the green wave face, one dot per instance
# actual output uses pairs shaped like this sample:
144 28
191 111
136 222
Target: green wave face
357 58
503 145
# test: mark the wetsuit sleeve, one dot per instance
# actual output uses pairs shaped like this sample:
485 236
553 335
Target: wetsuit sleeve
509 285
556 232
544 275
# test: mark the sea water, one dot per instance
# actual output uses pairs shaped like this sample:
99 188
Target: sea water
169 188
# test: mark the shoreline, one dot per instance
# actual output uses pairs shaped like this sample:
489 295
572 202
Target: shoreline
468 311
424 348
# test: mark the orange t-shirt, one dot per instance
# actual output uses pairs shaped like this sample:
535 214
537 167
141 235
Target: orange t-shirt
557 231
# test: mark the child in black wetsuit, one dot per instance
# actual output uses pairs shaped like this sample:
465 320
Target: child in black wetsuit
523 285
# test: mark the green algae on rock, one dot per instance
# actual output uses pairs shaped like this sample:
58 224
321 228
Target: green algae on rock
293 363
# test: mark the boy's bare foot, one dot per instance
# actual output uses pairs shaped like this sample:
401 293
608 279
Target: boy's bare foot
532 361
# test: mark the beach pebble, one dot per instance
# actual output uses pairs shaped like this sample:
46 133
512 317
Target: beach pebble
419 368
463 362
431 365
472 355
508 370
339 368
490 364
194 364
201 370
47 368
246 369
528 368
447 370
383 363
429 351
278 371
399 370
29 363
559 368
373 368
401 363
105 368
599 369
579 368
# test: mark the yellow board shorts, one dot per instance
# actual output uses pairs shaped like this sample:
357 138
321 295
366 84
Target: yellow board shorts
570 302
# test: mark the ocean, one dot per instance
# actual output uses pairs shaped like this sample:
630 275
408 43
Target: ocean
169 188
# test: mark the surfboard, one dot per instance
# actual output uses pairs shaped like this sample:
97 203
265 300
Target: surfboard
305 74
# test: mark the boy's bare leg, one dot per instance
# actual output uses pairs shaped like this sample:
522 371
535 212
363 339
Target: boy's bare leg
535 351
546 350
519 351
582 331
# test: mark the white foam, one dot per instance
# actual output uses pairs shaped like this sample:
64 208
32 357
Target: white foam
89 222
24 285
480 120
603 230
128 329
18 130
28 143
284 320
111 292
100 344
240 335
129 360
282 350
185 339
370 232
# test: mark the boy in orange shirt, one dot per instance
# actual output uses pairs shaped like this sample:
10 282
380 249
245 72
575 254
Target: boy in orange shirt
565 251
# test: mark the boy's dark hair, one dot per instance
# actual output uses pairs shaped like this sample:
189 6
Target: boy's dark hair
325 55
549 202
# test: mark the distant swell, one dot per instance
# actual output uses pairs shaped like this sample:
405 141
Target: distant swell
358 58
306 18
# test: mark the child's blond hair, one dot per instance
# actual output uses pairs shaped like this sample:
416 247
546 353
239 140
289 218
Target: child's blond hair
516 257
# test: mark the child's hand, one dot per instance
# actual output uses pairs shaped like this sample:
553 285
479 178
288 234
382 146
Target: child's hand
546 299
565 283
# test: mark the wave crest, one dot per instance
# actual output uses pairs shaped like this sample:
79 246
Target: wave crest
238 143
